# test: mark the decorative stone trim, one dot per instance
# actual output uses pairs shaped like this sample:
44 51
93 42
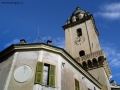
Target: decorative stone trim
97 56
93 55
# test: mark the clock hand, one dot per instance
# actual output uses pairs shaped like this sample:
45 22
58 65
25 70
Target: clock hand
79 39
76 42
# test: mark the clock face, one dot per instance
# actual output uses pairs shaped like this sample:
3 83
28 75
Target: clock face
79 40
23 73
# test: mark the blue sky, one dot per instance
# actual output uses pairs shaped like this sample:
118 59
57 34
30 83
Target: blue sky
18 21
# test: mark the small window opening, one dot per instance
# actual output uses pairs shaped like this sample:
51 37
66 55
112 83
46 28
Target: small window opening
92 45
79 32
82 53
45 74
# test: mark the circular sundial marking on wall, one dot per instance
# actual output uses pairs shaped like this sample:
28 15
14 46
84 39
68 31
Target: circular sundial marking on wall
23 73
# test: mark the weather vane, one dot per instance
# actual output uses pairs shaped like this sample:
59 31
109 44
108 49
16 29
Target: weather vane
38 38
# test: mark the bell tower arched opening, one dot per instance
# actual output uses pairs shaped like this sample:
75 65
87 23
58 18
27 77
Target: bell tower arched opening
82 53
79 32
100 60
84 64
95 62
89 64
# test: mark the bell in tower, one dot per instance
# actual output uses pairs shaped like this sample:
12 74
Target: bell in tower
81 39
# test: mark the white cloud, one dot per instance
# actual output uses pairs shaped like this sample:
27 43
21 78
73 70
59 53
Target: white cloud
112 54
42 39
110 11
116 75
46 38
59 42
112 7
6 31
15 41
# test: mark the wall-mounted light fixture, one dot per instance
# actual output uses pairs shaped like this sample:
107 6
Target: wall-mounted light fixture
83 78
98 77
63 64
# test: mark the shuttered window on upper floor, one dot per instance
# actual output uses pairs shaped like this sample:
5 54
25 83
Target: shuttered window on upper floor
77 85
45 74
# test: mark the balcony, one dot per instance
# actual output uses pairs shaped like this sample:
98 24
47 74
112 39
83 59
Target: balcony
94 60
90 56
93 55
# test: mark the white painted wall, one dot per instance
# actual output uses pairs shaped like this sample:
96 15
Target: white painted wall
4 71
69 73
65 75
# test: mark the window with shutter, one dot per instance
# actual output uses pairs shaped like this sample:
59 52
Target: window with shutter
45 74
77 85
39 73
52 76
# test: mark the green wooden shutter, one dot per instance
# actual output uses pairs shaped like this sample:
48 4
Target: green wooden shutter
39 73
77 85
52 76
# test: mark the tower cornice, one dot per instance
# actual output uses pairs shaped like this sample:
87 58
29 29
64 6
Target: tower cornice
77 22
82 21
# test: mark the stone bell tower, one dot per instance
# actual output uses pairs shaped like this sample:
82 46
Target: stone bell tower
81 38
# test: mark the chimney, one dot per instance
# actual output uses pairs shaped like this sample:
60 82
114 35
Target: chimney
22 41
49 42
